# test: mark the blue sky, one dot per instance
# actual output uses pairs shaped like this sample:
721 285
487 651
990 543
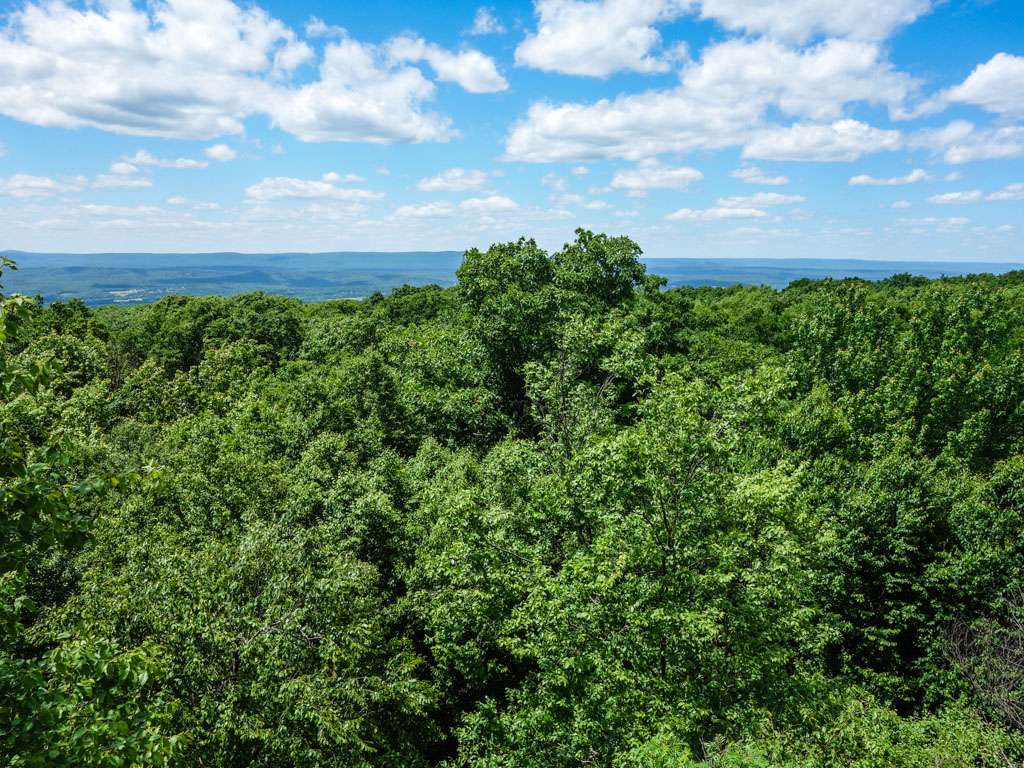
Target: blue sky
704 128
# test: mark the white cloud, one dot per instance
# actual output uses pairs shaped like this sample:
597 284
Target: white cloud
580 170
26 185
109 180
815 82
180 68
1009 192
486 23
948 198
751 174
843 140
652 175
197 70
951 224
123 168
492 204
715 214
960 142
940 138
220 152
317 27
94 209
599 37
283 187
332 177
996 86
454 180
577 37
900 204
434 210
800 20
360 96
913 177
759 200
990 144
722 101
144 158
443 208
472 70
177 200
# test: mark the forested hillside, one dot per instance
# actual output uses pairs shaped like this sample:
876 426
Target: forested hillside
554 516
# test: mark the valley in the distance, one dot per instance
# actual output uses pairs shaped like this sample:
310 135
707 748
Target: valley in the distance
134 278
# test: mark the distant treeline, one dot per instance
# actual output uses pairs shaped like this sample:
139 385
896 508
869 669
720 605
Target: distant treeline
556 515
136 278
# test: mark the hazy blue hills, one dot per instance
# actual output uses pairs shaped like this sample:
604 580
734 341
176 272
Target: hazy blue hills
108 278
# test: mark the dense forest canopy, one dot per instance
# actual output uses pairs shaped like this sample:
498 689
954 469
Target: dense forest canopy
553 516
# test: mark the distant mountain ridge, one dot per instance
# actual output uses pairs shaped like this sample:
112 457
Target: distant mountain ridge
285 259
124 278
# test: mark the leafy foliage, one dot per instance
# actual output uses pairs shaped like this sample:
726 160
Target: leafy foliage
554 515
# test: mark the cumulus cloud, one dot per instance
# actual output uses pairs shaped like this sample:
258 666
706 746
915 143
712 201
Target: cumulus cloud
816 82
581 37
759 200
864 180
360 96
841 141
950 198
653 175
599 37
454 180
722 100
283 187
751 174
109 180
472 70
443 208
961 142
26 185
220 152
486 23
900 204
317 27
800 20
434 210
178 68
951 224
144 158
990 144
197 70
1009 192
491 204
996 86
333 177
715 214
